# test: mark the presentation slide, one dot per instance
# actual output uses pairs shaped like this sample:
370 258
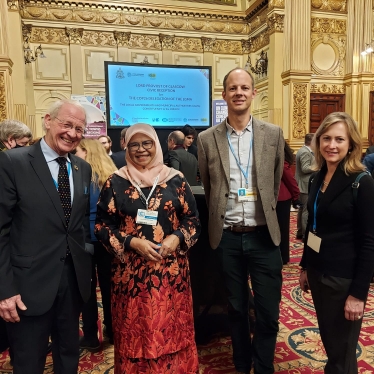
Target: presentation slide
162 96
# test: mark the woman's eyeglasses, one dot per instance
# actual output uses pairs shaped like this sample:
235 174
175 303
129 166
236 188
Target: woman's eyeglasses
133 147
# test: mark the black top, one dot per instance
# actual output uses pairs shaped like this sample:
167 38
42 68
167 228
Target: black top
119 158
346 229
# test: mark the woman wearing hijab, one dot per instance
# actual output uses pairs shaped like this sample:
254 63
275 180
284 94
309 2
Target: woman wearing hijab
338 259
147 217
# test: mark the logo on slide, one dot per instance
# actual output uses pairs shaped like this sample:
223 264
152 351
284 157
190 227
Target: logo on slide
120 74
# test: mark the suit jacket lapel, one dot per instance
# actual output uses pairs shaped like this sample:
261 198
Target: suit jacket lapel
78 185
258 143
223 148
38 163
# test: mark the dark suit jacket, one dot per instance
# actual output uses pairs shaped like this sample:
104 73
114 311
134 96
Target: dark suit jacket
119 158
33 236
193 150
185 162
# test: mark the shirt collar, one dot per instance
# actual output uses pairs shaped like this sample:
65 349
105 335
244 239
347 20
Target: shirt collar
230 129
49 153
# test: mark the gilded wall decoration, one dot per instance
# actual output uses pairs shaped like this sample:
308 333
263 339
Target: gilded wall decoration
208 43
220 2
75 35
257 22
299 113
260 41
144 41
12 4
328 25
337 43
228 47
327 88
276 4
183 44
122 38
53 36
99 38
166 41
336 5
3 98
275 23
246 45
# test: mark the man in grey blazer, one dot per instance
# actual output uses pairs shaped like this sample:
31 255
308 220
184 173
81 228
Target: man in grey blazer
241 164
304 161
45 271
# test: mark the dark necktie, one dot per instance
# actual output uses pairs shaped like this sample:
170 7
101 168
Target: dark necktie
64 188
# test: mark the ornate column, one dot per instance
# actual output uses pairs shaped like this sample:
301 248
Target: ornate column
76 60
208 45
167 42
275 23
359 69
123 39
297 72
6 94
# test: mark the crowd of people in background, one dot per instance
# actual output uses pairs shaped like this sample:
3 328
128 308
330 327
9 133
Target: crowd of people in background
73 211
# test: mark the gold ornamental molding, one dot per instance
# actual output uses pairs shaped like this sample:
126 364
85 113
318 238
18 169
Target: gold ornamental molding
258 21
335 5
328 25
99 38
3 98
299 115
145 42
227 47
208 44
327 88
152 18
75 35
166 41
44 35
219 2
122 38
275 23
12 4
259 41
276 4
184 44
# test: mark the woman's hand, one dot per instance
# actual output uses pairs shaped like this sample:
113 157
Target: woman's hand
303 281
146 249
169 245
354 308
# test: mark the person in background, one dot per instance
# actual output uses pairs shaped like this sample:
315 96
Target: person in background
35 140
244 153
368 161
107 143
119 158
147 218
181 160
190 134
304 162
338 258
288 193
102 167
45 271
13 134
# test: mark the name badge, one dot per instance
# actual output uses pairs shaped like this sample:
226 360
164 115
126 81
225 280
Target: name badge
314 242
247 194
147 217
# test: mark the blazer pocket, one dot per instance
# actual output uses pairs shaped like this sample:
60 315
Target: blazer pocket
20 261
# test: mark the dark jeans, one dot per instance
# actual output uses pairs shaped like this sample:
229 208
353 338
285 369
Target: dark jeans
339 335
252 254
102 260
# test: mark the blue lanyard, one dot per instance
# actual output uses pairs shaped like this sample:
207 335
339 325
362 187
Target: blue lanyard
315 212
244 172
69 170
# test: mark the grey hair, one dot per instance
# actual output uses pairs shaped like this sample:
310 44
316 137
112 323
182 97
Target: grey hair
177 137
15 129
54 109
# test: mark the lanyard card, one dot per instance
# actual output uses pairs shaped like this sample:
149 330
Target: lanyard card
314 242
147 217
247 194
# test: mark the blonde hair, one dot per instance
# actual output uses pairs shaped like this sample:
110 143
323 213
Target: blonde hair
352 161
101 164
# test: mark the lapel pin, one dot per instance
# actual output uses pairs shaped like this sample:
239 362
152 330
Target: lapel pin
76 167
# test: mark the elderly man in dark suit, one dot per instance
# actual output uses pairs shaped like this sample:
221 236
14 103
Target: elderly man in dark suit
180 159
45 271
241 164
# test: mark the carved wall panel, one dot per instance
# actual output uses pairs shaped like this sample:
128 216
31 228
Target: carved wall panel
55 66
99 38
184 44
328 25
3 98
276 4
227 46
259 42
144 41
258 21
299 114
94 64
153 58
328 54
275 23
49 35
336 5
222 65
327 88
188 59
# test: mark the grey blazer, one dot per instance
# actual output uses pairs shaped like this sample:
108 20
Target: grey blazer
304 161
214 164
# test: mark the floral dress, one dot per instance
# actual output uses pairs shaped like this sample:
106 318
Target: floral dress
151 301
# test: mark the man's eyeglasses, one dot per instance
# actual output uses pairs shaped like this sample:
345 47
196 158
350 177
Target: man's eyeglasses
133 147
67 126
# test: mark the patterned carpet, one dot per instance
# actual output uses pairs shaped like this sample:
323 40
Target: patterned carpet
299 349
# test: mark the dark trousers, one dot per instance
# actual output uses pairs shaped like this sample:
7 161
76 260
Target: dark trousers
283 214
4 342
102 261
252 254
339 336
302 215
29 337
